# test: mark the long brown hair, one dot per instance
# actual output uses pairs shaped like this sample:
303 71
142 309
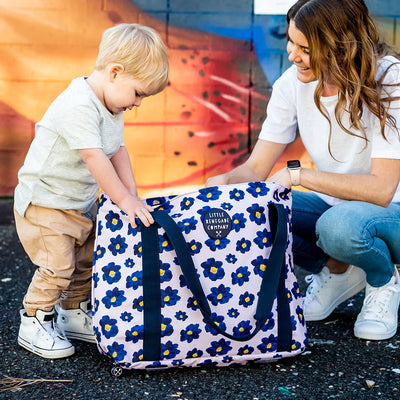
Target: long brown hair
344 49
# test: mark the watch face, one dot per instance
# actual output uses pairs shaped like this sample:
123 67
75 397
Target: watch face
293 164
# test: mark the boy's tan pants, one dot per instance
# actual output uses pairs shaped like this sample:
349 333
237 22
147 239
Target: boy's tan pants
60 243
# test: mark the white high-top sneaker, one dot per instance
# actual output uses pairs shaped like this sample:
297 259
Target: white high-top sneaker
77 323
40 335
378 318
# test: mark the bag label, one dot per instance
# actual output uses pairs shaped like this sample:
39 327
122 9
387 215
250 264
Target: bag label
217 223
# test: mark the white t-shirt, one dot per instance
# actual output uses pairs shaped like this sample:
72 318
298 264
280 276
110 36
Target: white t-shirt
292 105
54 174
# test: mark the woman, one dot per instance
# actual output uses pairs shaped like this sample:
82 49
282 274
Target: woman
343 96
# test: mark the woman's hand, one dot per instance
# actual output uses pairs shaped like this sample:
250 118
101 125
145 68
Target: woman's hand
282 176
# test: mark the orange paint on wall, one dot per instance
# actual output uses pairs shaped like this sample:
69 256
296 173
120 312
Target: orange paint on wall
201 125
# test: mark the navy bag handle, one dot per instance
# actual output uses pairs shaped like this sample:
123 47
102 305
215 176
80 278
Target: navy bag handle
273 274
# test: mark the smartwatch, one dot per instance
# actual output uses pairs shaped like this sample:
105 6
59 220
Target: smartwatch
293 167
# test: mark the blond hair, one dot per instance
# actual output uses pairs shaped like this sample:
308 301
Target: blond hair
139 49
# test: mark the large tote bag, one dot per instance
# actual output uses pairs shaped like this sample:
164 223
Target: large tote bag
210 283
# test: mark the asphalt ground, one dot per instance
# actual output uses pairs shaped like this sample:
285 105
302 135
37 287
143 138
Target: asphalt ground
335 365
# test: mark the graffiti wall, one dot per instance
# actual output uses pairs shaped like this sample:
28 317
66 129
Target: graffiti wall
223 58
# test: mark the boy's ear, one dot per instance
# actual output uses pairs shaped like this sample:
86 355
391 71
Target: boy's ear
114 70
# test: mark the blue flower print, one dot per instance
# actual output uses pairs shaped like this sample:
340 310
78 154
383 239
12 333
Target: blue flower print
269 323
177 363
116 351
134 334
243 351
95 279
133 231
186 203
165 206
165 273
166 327
240 276
102 201
164 243
209 363
256 214
118 245
233 313
285 194
293 322
219 321
138 249
295 345
236 194
129 263
97 334
227 359
169 350
243 245
181 316
195 353
268 344
194 247
202 211
231 258
211 193
182 281
246 299
192 304
95 306
99 228
99 252
111 273
238 221
113 298
226 206
275 196
257 189
220 295
260 265
212 269
296 291
138 304
188 224
126 316
215 244
219 348
191 333
114 222
289 295
135 280
299 312
137 356
243 329
108 326
263 239
169 296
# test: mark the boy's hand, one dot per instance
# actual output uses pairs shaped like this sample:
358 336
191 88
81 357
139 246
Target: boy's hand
135 207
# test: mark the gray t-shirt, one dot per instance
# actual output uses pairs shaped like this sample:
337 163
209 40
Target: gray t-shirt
54 174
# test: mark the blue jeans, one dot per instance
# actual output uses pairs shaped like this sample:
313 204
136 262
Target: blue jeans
354 232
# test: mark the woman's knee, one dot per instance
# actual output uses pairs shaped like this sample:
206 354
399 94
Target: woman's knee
338 229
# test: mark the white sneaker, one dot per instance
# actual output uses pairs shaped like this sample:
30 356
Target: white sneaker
77 323
326 291
379 314
40 335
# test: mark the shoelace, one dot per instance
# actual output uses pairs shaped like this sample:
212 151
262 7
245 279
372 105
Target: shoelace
315 281
376 303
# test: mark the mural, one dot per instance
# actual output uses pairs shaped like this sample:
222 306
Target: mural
204 123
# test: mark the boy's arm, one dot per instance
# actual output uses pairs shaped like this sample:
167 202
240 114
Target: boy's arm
122 165
106 176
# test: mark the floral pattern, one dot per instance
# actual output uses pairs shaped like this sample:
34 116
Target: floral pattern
229 268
